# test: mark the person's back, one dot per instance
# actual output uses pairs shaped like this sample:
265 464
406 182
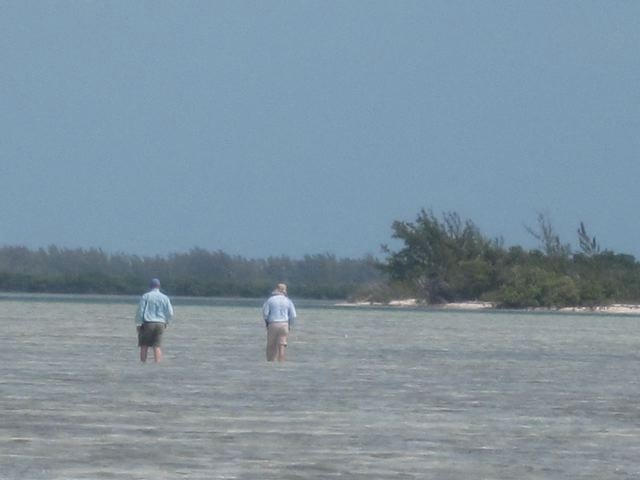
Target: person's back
278 308
156 307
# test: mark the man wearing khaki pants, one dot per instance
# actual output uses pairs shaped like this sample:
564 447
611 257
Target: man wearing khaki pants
279 314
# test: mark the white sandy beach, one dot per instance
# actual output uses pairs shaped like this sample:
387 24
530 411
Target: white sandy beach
414 302
616 308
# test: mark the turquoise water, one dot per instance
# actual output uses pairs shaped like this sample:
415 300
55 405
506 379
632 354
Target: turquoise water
366 393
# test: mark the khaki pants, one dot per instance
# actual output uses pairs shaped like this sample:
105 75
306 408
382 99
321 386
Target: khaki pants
277 334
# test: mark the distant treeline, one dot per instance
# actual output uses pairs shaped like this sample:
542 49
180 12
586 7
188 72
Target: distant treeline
442 260
195 273
448 259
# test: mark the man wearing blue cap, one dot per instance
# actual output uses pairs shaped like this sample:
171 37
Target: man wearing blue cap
152 317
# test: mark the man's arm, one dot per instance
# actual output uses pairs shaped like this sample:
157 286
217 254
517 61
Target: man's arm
169 312
265 313
140 312
292 314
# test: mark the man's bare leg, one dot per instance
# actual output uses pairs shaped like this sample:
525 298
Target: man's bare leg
281 350
143 354
157 354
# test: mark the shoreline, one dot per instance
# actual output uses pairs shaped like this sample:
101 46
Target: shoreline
615 308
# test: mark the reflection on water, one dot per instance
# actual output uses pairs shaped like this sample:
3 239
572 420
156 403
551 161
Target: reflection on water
366 394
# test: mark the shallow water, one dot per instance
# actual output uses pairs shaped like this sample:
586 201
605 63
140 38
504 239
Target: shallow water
366 393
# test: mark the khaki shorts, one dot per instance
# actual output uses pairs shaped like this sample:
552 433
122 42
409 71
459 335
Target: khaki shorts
277 334
150 334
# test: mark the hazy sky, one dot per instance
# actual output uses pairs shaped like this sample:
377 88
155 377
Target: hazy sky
290 127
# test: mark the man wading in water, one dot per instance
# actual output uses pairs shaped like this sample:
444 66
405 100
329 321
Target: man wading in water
152 317
279 314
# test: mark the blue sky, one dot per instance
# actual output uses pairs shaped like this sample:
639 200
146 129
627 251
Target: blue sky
294 127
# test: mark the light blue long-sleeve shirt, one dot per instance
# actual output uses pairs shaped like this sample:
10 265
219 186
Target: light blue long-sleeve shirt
154 306
278 308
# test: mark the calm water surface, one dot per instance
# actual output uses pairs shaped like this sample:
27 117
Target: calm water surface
366 394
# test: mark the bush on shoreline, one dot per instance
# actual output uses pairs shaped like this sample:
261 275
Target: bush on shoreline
450 260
